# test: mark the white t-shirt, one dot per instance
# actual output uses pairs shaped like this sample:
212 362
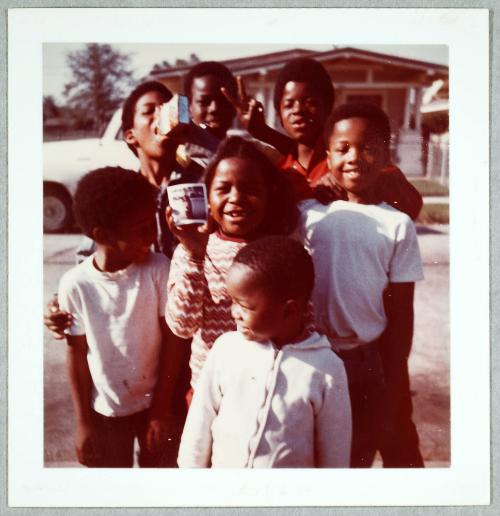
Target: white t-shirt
118 313
357 251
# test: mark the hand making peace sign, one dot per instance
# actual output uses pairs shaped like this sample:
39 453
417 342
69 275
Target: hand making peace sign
249 110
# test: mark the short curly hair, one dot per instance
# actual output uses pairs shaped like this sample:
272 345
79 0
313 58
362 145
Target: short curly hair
128 109
305 69
281 213
281 264
221 71
377 120
105 196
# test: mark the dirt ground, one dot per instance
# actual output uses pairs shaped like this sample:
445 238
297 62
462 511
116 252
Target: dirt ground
429 362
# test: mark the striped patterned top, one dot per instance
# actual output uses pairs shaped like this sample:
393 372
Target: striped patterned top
198 303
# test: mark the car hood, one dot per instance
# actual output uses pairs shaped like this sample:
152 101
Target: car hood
78 153
65 162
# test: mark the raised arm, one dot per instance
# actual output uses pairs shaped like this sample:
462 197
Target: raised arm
187 283
250 113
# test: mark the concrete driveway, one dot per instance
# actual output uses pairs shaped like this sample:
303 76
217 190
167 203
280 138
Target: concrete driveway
429 362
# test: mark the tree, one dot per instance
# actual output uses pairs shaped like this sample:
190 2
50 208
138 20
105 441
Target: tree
100 77
50 108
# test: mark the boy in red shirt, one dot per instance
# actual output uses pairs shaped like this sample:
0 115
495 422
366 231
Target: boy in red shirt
303 97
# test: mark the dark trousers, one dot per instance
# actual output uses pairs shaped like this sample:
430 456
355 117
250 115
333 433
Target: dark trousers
116 435
381 409
400 444
115 443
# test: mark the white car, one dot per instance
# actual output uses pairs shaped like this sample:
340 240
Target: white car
65 162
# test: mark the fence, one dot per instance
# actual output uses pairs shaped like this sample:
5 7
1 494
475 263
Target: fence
437 164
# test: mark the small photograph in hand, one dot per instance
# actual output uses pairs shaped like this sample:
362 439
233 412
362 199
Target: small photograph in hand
189 203
173 113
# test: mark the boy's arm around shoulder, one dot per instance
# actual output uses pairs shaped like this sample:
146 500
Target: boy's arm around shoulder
195 450
80 382
396 190
71 299
333 422
61 308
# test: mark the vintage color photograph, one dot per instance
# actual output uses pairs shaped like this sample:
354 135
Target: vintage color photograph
87 87
312 321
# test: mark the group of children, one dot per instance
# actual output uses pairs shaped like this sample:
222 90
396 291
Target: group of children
300 311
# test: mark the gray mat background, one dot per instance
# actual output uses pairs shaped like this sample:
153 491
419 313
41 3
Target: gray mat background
494 508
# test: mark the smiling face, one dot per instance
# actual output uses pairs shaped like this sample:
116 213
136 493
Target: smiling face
208 105
258 316
238 198
142 135
302 112
356 154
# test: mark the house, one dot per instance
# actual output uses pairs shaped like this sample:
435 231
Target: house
394 83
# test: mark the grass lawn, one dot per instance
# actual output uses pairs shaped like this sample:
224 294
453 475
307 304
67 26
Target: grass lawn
434 214
429 186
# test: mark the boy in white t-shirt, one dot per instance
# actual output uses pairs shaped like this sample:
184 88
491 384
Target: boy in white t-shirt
271 394
366 259
118 344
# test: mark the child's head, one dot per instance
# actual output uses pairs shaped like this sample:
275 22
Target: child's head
303 98
138 115
248 196
207 104
270 283
358 142
116 207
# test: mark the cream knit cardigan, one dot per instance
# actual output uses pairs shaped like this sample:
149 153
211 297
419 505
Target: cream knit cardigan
255 406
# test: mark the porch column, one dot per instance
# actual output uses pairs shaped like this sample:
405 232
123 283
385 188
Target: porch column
418 106
260 95
406 117
263 95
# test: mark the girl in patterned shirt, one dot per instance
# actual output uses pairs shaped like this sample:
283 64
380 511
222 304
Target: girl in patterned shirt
248 198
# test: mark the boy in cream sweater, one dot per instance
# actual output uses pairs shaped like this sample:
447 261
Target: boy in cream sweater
272 393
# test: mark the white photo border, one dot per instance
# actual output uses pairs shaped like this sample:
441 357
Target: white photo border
467 481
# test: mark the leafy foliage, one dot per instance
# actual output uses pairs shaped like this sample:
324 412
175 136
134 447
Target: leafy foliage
101 76
50 108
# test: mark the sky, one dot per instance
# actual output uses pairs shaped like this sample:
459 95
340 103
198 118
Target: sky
143 56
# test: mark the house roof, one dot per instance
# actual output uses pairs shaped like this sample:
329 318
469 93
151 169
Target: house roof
368 55
240 63
276 60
